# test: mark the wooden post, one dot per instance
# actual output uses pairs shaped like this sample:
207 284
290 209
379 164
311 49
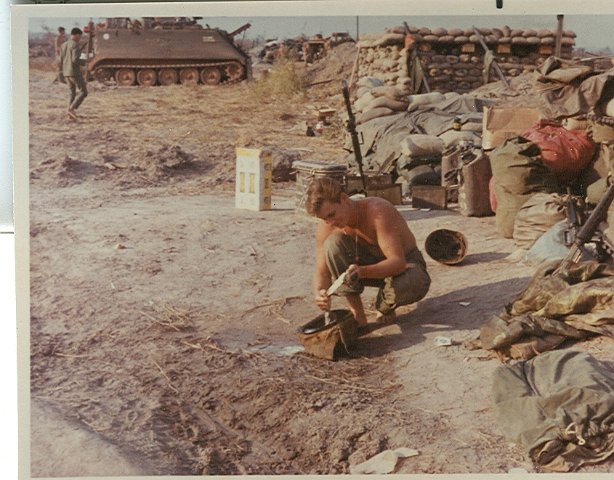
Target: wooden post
355 66
559 36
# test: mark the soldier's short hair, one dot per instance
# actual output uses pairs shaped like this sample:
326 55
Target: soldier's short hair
61 29
76 31
321 190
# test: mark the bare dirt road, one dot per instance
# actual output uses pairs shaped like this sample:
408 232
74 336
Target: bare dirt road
163 320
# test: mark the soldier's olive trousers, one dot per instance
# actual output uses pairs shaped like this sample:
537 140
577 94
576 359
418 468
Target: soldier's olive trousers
75 83
408 287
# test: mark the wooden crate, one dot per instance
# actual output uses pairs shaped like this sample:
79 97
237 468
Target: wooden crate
393 193
429 196
353 183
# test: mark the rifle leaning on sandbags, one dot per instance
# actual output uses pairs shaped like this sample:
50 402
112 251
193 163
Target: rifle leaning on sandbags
586 233
351 126
494 62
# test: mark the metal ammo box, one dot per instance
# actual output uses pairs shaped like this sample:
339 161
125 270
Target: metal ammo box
306 171
377 185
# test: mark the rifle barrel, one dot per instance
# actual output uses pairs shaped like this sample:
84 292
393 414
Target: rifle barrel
353 133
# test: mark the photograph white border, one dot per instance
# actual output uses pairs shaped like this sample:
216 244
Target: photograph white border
20 16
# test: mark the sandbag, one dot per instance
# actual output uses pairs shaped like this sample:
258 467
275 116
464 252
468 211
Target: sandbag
422 175
566 152
518 167
389 91
596 172
596 190
374 113
474 176
419 145
363 101
387 102
508 205
536 216
362 91
454 137
369 82
425 98
518 172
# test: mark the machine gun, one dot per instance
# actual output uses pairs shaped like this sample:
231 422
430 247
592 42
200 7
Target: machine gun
573 218
351 127
586 233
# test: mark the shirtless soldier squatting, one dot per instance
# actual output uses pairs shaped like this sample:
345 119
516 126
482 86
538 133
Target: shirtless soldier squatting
370 239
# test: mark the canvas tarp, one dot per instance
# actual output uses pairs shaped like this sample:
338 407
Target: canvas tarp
569 89
559 407
382 137
552 309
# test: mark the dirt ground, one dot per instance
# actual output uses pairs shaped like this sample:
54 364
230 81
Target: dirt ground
163 320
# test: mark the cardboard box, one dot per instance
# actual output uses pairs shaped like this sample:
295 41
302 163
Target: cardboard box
253 179
503 123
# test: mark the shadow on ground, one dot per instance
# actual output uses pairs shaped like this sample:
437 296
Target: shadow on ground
439 315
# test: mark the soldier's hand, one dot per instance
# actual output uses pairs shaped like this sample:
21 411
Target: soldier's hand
322 300
352 275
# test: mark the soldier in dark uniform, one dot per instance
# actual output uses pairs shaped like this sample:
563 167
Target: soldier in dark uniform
70 61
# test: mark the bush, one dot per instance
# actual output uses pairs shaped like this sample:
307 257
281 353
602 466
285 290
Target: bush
283 80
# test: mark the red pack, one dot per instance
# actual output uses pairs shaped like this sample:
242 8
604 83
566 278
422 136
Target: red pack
565 152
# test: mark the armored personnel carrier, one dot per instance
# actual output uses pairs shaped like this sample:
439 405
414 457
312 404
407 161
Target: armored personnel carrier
164 51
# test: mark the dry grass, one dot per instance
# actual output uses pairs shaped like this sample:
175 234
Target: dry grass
282 81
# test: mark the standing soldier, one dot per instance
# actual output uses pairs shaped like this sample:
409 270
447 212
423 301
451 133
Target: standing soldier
59 40
70 60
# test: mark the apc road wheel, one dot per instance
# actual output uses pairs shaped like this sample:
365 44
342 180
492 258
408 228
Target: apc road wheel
188 76
168 76
103 75
125 77
234 72
210 75
146 77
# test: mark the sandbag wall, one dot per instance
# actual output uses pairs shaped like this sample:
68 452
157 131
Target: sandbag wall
453 59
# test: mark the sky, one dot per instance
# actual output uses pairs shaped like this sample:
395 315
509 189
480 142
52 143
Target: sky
593 31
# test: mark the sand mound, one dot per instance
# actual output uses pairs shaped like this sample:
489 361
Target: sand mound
326 74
